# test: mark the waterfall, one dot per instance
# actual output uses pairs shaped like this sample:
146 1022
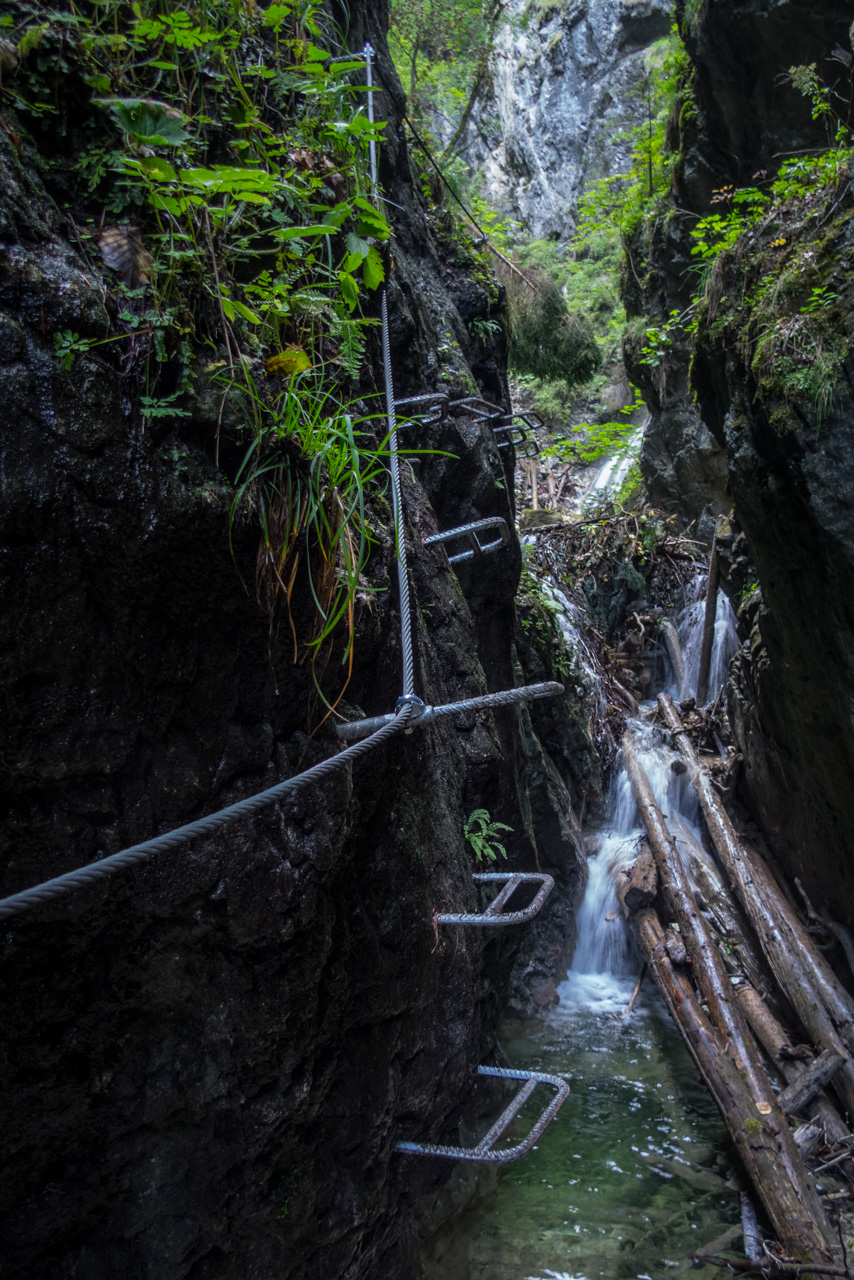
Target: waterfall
689 625
605 964
615 469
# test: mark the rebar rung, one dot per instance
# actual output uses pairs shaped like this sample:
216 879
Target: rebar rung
435 405
494 914
483 1151
470 532
355 729
470 402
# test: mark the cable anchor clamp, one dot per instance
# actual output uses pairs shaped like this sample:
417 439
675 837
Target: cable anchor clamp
418 709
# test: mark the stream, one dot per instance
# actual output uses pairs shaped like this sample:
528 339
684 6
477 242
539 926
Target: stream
635 1175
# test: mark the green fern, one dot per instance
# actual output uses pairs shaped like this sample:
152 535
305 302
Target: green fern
481 833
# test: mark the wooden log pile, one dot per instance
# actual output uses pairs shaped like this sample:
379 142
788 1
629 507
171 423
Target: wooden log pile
747 962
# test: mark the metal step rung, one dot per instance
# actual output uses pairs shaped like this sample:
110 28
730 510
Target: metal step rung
521 424
470 532
428 409
479 406
483 1151
516 435
494 914
528 449
355 729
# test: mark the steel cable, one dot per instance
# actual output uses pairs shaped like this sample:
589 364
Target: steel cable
94 871
394 456
137 853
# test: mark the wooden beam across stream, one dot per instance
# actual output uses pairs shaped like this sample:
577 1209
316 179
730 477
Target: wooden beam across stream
723 1047
823 1005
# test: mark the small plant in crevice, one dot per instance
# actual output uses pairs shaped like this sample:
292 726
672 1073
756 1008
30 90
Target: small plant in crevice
481 831
216 158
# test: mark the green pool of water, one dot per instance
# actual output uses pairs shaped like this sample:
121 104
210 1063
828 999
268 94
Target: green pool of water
632 1178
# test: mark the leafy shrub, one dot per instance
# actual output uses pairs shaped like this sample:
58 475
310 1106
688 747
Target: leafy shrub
545 339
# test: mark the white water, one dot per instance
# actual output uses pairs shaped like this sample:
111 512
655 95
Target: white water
689 625
614 470
605 965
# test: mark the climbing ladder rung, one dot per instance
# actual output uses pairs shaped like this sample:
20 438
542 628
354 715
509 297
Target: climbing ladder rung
424 714
424 410
494 913
484 1151
476 405
470 532
516 435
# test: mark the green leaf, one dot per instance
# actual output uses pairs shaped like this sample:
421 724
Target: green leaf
356 245
32 38
245 312
374 222
155 167
349 290
293 233
275 14
100 83
146 120
169 203
373 272
228 308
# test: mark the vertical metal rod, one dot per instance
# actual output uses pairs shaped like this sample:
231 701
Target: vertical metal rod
394 458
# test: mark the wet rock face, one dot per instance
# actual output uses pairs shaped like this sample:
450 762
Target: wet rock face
745 117
209 1058
748 114
564 86
791 473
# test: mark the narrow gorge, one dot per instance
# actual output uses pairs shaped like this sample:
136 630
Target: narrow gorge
427 641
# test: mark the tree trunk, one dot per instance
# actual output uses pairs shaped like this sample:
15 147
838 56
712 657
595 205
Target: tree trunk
674 652
642 886
708 627
708 966
776 1044
727 917
821 1002
767 1150
811 1081
479 82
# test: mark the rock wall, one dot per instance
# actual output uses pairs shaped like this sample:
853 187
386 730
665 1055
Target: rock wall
787 453
568 78
208 1059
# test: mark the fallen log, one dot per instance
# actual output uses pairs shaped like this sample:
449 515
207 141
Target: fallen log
811 1081
823 1005
636 991
642 886
708 627
786 1059
727 916
767 1149
750 1230
708 966
670 637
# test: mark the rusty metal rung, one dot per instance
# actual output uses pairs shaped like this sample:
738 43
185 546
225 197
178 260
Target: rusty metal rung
470 532
494 914
483 1151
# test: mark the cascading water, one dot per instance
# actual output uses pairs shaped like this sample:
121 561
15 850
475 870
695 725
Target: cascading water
689 626
631 1179
604 961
